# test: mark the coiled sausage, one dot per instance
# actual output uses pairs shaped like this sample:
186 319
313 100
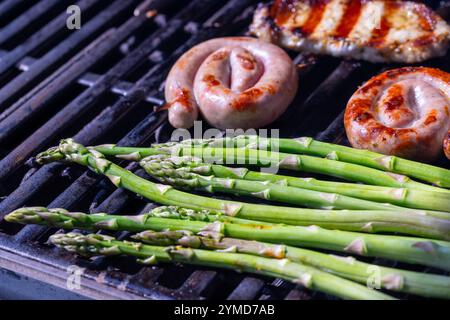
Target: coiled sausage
402 112
235 82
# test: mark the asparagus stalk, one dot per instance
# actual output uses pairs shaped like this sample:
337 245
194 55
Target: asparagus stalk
414 223
62 218
407 197
245 156
427 252
309 277
309 146
427 285
177 171
193 173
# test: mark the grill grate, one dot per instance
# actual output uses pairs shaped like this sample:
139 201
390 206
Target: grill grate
99 84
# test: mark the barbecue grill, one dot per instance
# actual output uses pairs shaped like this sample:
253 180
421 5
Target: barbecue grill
99 84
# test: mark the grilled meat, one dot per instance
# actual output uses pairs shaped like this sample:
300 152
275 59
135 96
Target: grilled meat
404 112
373 30
235 82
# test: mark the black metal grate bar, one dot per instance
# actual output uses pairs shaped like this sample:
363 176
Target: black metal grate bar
17 25
52 86
59 53
7 6
248 289
40 37
322 97
81 104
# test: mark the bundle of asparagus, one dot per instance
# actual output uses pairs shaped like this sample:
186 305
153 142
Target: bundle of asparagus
309 146
309 277
164 166
428 285
410 222
413 250
264 158
389 202
188 172
193 173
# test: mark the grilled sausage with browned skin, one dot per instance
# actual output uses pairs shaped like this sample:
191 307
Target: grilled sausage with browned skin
404 112
235 82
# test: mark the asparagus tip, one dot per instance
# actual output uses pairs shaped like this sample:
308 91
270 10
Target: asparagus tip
26 215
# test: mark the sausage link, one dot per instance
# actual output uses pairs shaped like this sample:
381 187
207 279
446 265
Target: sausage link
234 82
447 145
402 112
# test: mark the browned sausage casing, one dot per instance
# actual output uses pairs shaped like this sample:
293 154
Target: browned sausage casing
402 112
235 82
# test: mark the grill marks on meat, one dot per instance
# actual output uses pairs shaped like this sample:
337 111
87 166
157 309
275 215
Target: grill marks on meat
377 30
380 32
402 112
349 19
281 11
314 18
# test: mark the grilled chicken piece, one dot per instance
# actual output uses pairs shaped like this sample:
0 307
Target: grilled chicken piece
373 30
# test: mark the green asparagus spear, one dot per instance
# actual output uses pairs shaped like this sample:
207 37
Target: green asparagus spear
309 277
406 249
427 285
309 146
176 171
245 156
415 223
193 173
407 197
419 198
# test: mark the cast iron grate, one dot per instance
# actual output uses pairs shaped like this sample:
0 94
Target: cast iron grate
99 84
